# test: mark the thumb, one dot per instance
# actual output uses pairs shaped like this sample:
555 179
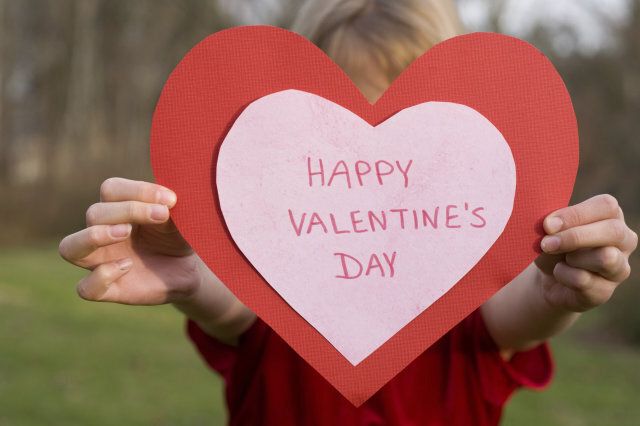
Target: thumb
546 262
98 285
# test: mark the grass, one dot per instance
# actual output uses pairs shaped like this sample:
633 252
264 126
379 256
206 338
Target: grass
67 361
70 362
593 385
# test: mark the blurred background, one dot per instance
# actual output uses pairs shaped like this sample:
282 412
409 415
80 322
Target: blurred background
78 83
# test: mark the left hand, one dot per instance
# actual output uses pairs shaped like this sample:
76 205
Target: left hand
586 253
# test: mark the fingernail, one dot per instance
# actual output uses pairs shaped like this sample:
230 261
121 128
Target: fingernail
124 264
120 231
158 212
554 224
168 198
550 243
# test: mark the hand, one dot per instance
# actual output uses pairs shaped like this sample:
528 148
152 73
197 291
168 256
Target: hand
586 253
134 251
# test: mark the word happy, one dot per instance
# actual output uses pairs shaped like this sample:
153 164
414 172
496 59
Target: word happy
375 173
359 173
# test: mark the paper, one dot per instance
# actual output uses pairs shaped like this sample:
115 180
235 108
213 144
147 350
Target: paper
360 228
505 80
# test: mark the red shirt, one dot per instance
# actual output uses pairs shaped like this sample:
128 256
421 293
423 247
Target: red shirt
459 380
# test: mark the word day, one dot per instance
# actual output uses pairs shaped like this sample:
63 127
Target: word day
351 267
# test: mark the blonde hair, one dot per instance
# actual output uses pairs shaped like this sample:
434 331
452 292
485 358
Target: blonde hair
373 41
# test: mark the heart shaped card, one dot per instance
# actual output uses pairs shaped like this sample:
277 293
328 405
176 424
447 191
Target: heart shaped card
361 233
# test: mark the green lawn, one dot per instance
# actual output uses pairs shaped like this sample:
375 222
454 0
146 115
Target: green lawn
67 361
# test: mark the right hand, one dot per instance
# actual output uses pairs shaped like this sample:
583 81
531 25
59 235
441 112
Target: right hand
132 248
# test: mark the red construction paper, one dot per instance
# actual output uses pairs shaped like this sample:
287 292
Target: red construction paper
505 79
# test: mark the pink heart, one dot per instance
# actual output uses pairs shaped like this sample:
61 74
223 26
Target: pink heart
361 228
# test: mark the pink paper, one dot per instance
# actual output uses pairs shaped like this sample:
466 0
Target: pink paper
361 228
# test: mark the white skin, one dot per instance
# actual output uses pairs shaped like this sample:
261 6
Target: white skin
137 257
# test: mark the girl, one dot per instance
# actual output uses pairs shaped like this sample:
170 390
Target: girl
136 256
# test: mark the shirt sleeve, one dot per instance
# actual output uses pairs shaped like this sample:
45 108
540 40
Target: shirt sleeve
219 356
499 378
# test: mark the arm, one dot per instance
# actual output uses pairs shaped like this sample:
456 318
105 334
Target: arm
519 317
585 257
215 309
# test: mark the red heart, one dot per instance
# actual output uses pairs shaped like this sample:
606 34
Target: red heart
505 79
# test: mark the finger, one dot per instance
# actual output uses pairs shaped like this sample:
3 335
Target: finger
574 278
609 262
98 285
120 189
632 242
610 232
81 244
591 289
594 209
112 213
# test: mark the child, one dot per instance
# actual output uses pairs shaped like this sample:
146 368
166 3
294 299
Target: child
137 256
